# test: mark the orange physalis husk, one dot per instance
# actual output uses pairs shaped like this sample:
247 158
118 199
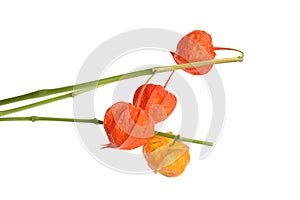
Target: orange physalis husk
155 100
165 156
194 47
127 126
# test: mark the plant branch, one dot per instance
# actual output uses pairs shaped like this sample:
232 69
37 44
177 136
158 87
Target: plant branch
38 118
84 87
36 104
184 139
98 122
104 81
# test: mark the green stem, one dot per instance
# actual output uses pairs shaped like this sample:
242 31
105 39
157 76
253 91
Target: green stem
88 85
101 82
197 64
184 139
98 122
32 105
84 87
38 118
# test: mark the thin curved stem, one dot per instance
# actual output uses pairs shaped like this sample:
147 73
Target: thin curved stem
230 49
169 78
142 90
98 122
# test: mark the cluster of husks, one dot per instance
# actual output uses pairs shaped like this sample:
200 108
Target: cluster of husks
129 126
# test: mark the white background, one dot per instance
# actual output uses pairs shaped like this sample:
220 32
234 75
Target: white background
43 45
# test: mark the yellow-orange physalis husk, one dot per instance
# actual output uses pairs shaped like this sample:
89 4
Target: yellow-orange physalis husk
165 156
126 126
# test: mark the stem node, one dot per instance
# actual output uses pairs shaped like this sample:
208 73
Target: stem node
33 118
